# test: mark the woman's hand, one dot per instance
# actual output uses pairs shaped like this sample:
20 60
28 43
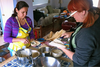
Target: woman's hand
67 34
25 41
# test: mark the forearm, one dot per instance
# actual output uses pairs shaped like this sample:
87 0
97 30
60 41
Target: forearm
16 39
71 32
68 53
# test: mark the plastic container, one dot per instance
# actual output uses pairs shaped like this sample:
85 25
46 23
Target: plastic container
41 39
12 53
2 59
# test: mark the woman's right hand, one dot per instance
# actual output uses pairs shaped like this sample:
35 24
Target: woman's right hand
67 34
25 41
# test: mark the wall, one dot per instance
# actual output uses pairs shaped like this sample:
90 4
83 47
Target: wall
1 19
0 15
6 10
99 4
55 3
43 5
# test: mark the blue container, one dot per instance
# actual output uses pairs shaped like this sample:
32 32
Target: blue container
2 59
41 39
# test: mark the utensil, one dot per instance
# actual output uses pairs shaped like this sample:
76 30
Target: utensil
47 62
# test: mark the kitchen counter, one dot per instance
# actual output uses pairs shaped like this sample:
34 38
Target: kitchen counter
13 57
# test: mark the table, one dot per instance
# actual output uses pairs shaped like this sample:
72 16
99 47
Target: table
12 60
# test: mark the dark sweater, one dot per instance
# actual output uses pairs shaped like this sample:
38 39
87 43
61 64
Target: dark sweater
87 51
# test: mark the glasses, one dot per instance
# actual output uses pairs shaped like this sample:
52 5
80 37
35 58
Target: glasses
71 14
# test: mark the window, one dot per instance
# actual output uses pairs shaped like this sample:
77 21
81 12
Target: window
39 2
95 3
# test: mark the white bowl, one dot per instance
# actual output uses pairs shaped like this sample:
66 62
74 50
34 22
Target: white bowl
35 54
56 53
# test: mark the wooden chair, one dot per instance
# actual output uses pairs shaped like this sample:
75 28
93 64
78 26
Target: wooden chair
37 32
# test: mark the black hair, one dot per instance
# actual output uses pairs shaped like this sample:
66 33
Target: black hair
19 5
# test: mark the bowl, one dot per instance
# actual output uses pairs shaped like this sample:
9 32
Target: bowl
47 62
35 54
45 51
25 56
35 43
22 56
41 39
56 52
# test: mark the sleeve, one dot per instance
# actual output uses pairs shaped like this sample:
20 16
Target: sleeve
31 34
85 46
7 31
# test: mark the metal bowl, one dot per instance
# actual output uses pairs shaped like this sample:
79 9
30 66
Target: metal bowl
56 52
25 56
45 51
35 54
47 62
22 56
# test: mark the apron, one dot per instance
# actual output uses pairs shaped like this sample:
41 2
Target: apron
22 33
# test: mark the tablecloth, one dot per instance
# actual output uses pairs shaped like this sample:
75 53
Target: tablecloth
14 62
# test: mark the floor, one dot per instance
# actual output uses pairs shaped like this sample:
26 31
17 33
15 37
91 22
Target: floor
2 43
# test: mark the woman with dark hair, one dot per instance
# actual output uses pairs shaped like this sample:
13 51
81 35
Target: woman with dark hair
85 40
18 29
